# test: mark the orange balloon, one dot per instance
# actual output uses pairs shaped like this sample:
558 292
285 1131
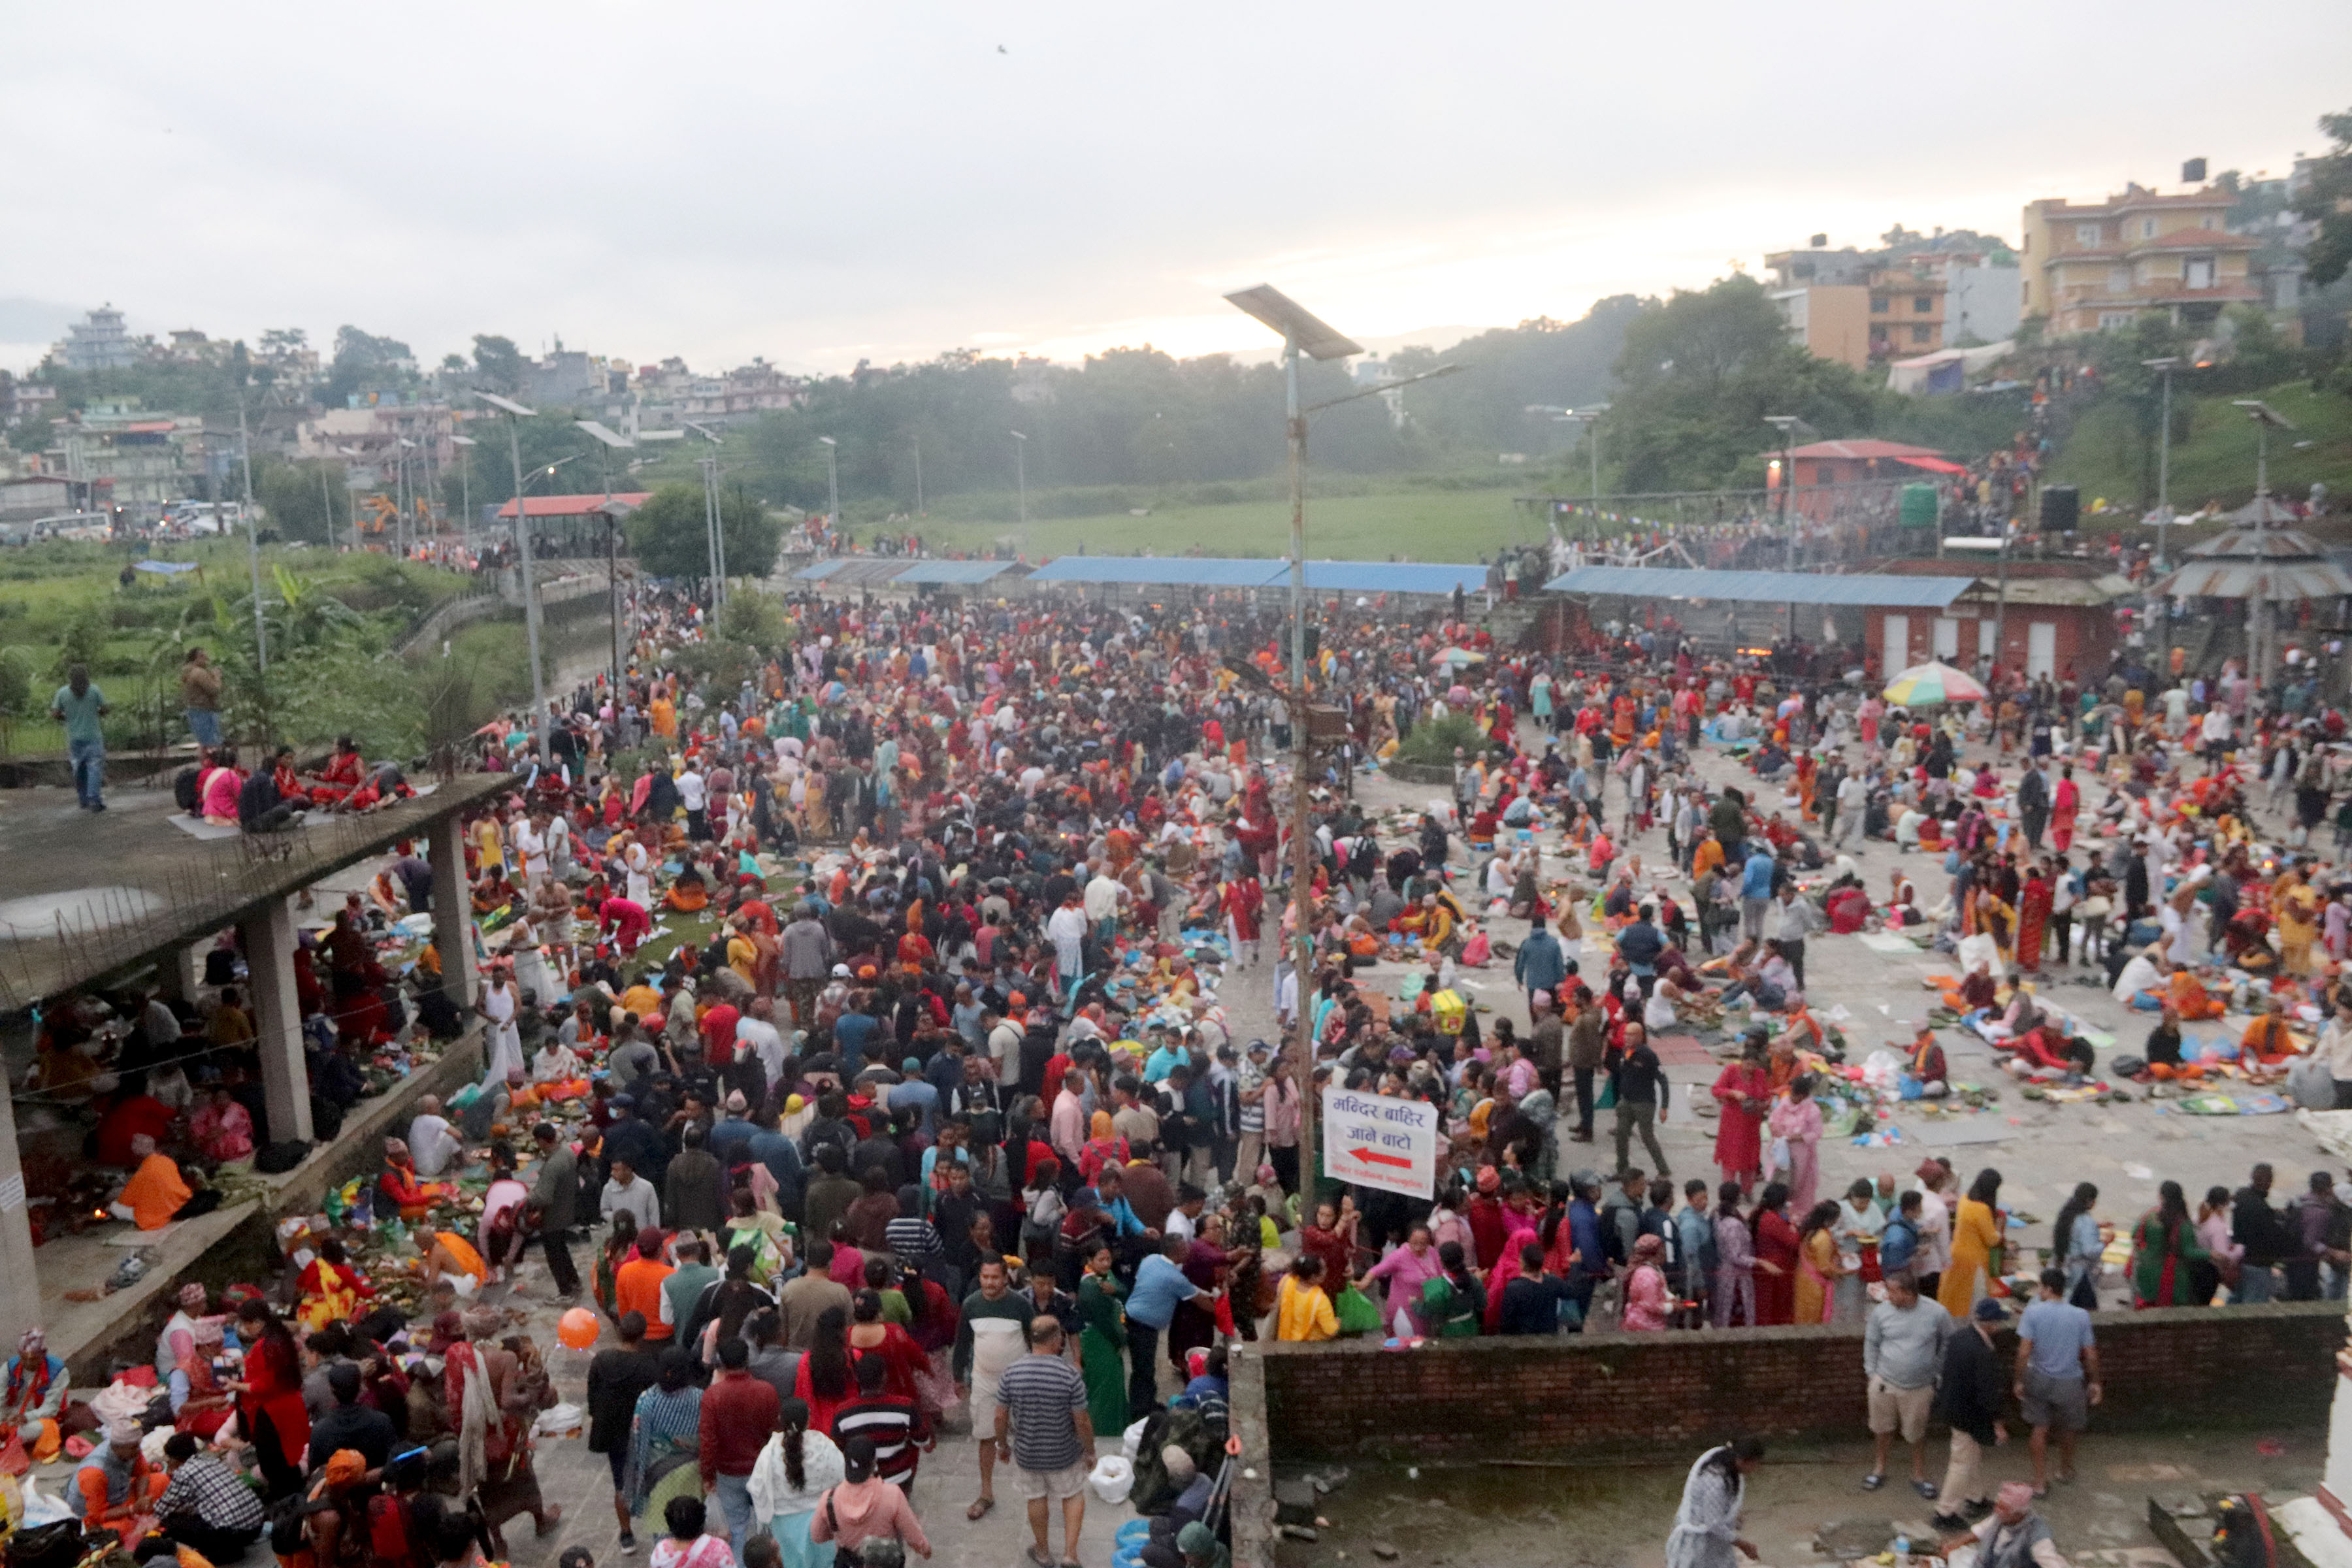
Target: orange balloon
578 1327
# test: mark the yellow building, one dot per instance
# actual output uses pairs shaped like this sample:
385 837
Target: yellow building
2097 267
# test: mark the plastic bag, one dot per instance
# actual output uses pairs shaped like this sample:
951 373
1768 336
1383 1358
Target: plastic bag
1355 1313
1882 1070
1111 1478
1134 1436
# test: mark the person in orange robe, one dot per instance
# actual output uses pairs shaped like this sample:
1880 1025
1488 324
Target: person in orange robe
2266 1044
156 1191
399 1183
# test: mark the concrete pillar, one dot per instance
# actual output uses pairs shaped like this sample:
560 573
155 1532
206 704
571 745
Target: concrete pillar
179 972
453 908
268 935
20 1284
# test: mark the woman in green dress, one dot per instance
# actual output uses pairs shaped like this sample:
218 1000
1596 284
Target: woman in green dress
1102 1342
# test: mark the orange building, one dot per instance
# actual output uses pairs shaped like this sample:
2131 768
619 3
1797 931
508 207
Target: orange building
2097 266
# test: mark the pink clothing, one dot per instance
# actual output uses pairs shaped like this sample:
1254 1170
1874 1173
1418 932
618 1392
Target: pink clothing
858 1511
221 787
1647 1300
1069 1129
1800 1122
222 1135
1281 1115
1405 1271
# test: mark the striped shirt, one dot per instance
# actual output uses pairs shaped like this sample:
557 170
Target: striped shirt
912 1238
1044 1393
894 1427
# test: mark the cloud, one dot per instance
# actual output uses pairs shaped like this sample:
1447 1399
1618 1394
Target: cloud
827 182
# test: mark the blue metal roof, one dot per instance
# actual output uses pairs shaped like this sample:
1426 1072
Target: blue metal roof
1763 587
965 573
818 571
1163 571
1392 577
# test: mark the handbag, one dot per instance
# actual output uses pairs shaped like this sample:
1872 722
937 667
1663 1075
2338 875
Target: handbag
1355 1313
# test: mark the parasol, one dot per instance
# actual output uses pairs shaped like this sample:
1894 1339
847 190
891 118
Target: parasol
1461 655
1925 685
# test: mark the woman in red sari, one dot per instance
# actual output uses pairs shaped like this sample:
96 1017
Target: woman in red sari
2064 802
269 1399
2033 920
1744 1091
1776 1258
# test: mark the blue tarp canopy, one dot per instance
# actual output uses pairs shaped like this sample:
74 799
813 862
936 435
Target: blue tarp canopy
168 568
1163 571
964 572
1391 577
818 571
1763 587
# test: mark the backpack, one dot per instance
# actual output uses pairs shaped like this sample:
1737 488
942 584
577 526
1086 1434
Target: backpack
184 789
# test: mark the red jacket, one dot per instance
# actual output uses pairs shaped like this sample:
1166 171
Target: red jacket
738 1411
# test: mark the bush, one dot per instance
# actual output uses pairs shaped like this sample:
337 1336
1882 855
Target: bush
1432 743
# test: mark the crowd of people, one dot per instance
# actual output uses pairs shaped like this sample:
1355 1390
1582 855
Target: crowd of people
874 1021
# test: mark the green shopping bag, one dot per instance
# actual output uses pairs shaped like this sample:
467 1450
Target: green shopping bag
1355 1313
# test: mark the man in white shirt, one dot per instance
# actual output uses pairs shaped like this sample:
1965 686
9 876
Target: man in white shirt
1004 1047
531 844
1066 930
626 1192
694 794
432 1142
758 1034
1103 897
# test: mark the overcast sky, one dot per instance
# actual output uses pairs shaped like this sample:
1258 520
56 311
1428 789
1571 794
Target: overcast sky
823 184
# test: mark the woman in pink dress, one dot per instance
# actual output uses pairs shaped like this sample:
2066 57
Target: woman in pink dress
1798 1119
1744 1091
1647 1299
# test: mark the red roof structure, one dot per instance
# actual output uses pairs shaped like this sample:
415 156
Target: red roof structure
1860 449
576 506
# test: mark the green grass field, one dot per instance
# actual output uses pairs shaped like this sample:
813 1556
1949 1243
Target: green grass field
2215 460
1418 525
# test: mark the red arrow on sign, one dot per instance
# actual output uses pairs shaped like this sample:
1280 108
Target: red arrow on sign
1370 1158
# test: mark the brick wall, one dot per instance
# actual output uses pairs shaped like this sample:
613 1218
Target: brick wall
1660 1394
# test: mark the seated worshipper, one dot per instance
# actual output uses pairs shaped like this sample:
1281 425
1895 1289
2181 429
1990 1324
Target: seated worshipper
332 1288
207 1505
1980 991
36 1393
2045 1051
434 1143
689 894
2185 993
416 1199
556 1068
221 1128
1927 1066
2266 1046
117 1488
201 1401
156 1190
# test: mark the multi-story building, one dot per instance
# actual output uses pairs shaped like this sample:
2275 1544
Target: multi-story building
131 457
98 342
368 440
2098 265
22 400
1857 307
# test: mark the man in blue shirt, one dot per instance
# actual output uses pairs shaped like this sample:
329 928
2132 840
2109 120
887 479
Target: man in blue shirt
2057 1375
1160 1285
80 705
1591 1265
1756 890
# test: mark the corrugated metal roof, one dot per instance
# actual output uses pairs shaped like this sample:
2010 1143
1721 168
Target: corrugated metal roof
818 572
1163 571
2104 589
2225 578
866 572
2255 543
966 573
1763 587
1391 576
573 506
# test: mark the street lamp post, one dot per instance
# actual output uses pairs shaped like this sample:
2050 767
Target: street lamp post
2262 635
1020 481
252 545
832 481
515 414
919 475
2164 513
607 441
1302 332
1786 424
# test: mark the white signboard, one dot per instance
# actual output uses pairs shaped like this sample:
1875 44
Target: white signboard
1391 1144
